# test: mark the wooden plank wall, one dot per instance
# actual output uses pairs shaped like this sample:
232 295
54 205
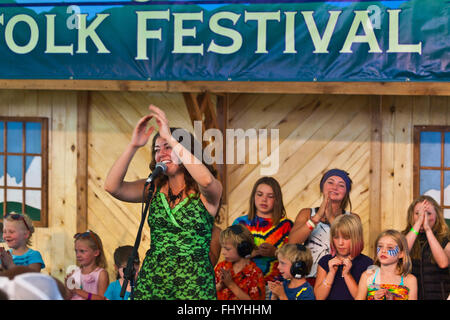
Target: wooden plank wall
56 241
319 132
316 132
399 115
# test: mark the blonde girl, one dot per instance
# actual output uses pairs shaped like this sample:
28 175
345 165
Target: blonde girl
427 235
17 231
338 273
91 280
392 278
312 225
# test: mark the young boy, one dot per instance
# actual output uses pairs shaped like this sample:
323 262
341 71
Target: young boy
294 263
238 278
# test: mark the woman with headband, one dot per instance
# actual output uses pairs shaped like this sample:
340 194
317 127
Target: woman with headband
312 225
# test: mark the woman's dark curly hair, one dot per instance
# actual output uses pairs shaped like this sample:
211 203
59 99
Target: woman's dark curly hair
193 146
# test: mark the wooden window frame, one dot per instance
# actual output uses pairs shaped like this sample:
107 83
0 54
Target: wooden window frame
417 167
43 222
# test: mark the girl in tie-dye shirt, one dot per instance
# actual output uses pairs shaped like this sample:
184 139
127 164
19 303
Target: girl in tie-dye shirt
267 221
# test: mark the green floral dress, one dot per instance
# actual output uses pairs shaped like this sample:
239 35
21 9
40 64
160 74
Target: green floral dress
177 266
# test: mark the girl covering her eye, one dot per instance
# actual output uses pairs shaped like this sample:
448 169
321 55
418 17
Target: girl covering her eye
428 238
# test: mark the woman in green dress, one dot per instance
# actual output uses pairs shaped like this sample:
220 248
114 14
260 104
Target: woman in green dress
182 212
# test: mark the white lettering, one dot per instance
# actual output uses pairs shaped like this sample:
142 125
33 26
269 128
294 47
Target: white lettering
321 44
143 34
234 35
180 33
361 18
262 18
34 34
51 46
89 32
394 46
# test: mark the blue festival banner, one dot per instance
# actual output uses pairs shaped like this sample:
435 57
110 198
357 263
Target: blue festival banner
231 40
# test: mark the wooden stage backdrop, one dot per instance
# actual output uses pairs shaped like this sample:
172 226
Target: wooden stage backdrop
370 136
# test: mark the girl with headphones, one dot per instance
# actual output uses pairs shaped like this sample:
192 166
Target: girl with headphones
237 277
294 263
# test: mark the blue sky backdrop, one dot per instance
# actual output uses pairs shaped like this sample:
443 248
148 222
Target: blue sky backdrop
14 144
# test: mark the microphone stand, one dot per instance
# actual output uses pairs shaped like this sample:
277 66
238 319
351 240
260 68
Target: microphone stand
129 272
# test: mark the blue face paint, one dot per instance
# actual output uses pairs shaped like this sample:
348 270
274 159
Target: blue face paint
394 252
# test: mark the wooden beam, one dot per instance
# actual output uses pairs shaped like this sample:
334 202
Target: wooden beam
219 87
82 160
192 106
375 172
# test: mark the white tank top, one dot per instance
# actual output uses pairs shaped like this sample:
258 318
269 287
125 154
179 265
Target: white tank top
319 243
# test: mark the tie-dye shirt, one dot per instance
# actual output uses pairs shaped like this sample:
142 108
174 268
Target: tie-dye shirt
263 230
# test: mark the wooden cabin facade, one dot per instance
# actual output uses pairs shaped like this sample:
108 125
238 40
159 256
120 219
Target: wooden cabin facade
366 129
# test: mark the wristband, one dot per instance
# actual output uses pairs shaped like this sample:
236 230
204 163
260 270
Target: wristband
414 231
311 225
89 296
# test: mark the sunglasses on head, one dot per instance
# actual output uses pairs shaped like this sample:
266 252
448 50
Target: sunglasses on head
87 234
16 216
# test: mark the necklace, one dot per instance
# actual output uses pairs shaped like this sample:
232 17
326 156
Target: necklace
173 197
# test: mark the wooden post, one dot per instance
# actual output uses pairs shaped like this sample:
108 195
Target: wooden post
200 108
222 121
82 159
375 171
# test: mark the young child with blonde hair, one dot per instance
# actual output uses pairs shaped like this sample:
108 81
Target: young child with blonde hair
294 263
91 280
338 273
237 277
391 279
17 231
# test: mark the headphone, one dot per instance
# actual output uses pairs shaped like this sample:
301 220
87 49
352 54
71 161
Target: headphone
244 248
298 268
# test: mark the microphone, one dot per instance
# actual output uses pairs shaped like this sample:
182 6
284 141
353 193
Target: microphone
160 168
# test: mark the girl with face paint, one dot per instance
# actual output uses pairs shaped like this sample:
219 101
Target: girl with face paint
392 278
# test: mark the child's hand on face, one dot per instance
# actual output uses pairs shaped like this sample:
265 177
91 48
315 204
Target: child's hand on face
427 208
